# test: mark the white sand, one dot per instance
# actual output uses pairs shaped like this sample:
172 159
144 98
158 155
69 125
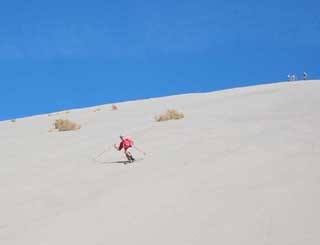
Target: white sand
243 167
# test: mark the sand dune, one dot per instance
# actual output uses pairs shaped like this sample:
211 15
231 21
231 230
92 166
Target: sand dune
242 167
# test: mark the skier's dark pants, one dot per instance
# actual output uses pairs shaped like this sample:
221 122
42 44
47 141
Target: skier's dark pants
128 155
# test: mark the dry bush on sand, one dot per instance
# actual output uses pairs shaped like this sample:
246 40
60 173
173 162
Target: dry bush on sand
114 107
97 109
169 115
13 120
65 125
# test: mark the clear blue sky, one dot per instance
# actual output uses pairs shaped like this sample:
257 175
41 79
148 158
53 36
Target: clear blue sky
57 55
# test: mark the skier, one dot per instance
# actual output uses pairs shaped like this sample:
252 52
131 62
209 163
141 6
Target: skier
125 143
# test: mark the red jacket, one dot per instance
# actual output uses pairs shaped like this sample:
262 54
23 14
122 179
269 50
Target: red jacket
126 143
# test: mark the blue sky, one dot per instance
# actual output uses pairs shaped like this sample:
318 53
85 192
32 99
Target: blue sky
57 55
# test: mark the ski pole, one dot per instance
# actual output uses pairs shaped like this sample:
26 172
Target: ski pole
102 152
140 150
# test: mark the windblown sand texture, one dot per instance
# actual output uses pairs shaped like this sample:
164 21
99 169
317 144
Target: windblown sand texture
242 167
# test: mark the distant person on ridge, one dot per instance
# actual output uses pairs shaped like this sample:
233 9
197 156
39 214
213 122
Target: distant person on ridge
125 143
305 76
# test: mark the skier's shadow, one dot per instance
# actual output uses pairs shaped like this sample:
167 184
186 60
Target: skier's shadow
112 162
123 162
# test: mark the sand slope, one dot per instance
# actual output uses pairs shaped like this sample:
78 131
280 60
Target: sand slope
243 167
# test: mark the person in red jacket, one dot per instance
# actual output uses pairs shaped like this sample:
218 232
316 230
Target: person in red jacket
125 144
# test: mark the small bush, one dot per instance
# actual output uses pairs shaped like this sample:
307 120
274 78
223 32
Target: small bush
97 109
13 120
65 125
170 115
114 107
53 114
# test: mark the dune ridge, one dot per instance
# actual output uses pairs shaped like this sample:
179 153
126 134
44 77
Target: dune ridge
241 167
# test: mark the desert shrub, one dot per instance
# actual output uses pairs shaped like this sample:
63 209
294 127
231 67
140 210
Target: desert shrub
13 120
65 125
97 109
53 114
114 107
169 115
